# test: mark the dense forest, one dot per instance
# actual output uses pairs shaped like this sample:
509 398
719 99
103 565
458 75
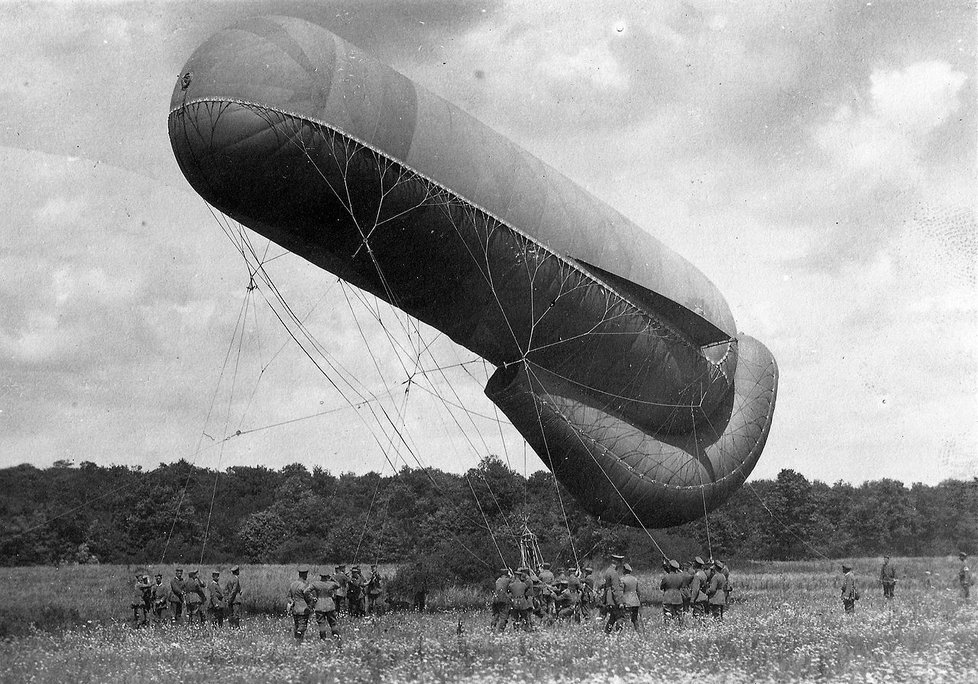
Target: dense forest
463 522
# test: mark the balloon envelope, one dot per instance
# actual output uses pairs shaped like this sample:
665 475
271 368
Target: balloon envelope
617 360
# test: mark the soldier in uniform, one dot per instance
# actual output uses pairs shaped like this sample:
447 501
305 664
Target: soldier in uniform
215 599
301 598
343 580
688 573
355 592
697 588
672 593
194 598
161 593
568 600
232 593
588 593
177 588
611 594
964 576
500 600
887 578
544 573
375 588
325 606
142 601
850 593
630 597
520 601
716 589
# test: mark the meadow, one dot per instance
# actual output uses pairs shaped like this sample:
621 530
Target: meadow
785 624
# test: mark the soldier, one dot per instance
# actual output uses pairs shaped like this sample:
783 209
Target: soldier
520 603
194 598
325 606
630 597
215 599
588 593
697 588
672 593
301 598
717 591
375 588
611 595
688 573
355 592
142 601
888 578
964 576
500 600
343 580
177 588
850 593
232 592
161 593
544 573
568 600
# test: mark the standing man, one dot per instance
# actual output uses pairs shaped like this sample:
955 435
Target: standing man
161 594
612 594
500 600
588 593
232 592
194 598
342 579
887 578
520 600
850 593
964 576
630 597
177 588
142 601
375 588
215 599
325 606
697 588
301 598
354 590
717 591
672 594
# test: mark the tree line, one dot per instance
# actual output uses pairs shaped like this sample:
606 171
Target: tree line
465 524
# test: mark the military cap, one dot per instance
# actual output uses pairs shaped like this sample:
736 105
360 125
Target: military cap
628 568
544 564
159 574
698 561
303 569
674 564
179 570
324 575
215 572
193 572
962 555
235 569
846 567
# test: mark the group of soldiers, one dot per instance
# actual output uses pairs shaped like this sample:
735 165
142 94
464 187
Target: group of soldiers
169 602
572 593
324 598
888 581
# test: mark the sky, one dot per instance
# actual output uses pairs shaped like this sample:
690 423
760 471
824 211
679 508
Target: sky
816 160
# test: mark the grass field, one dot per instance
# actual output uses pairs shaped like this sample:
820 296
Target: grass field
785 624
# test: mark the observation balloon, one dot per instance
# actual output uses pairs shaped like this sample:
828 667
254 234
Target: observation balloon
616 359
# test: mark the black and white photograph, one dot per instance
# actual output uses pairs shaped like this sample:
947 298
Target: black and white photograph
450 341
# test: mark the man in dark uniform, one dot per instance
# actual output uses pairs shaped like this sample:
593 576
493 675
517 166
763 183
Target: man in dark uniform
161 593
177 588
375 588
630 598
588 593
964 577
612 594
697 588
194 598
342 579
887 578
688 573
716 590
500 600
232 593
354 589
301 598
215 599
142 601
850 593
325 606
520 601
672 593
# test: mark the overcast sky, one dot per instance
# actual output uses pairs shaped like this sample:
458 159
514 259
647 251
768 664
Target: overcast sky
816 160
